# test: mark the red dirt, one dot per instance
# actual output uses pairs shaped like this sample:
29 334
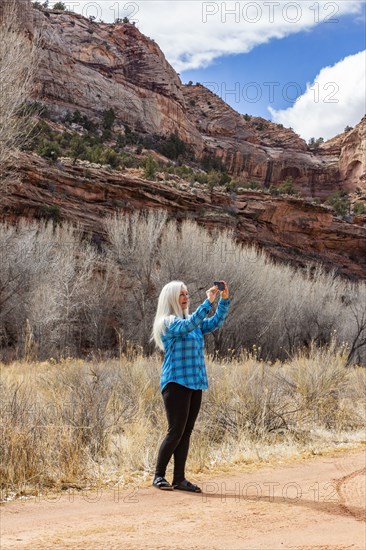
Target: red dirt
313 504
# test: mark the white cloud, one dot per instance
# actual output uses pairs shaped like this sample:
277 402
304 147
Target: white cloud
192 34
334 100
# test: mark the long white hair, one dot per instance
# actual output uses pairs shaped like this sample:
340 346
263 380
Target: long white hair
168 308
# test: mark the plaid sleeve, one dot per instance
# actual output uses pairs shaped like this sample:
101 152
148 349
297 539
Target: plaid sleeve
182 326
217 320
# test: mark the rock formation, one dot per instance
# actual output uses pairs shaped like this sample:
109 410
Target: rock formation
257 149
289 229
93 66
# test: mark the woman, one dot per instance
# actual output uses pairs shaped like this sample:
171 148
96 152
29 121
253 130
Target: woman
183 377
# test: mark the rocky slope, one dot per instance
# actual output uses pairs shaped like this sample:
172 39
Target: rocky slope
257 149
93 67
290 229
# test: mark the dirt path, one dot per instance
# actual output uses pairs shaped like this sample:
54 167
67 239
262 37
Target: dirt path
316 504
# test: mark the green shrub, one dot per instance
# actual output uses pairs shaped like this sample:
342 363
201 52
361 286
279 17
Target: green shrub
313 143
232 185
108 119
183 171
287 187
49 212
49 150
40 5
77 147
211 162
339 201
95 154
132 138
121 141
201 177
252 185
173 148
82 120
109 156
359 208
59 6
274 190
150 168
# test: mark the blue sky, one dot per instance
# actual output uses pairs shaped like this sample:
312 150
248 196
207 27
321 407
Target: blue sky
318 46
296 58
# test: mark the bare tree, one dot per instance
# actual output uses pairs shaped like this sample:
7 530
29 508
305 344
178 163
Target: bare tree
18 63
134 245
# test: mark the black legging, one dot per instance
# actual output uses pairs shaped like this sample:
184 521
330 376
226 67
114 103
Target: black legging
182 406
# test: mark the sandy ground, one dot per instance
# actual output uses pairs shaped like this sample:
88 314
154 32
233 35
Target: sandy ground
316 504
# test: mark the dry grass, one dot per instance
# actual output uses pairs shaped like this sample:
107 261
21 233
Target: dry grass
74 423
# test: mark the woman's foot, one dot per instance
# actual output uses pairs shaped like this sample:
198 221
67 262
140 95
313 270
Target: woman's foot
161 483
187 486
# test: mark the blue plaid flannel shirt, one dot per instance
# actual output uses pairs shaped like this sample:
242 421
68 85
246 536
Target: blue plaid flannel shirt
184 346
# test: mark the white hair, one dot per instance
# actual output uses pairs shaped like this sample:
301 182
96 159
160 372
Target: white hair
168 308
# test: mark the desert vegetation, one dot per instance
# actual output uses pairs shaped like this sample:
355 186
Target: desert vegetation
101 142
65 293
76 424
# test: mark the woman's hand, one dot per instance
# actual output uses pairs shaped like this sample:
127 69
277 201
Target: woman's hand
225 293
211 293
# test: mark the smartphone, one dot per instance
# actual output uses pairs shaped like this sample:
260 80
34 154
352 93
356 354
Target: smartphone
219 285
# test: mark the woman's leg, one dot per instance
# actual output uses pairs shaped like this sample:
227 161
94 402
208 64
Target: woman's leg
181 451
177 400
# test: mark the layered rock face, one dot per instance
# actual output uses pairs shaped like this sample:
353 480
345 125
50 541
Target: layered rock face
352 160
349 148
93 67
256 149
24 13
289 229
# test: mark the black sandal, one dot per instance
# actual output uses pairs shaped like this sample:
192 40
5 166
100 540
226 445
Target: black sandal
161 483
187 486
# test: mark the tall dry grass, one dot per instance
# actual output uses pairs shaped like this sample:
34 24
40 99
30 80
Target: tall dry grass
75 422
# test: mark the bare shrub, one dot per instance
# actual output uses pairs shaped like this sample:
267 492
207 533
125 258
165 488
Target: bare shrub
60 296
317 380
74 422
44 276
134 245
103 303
18 64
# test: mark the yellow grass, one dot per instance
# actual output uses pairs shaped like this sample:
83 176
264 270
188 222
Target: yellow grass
77 423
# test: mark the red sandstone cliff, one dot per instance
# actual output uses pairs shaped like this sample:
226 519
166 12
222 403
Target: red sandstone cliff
350 150
93 67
